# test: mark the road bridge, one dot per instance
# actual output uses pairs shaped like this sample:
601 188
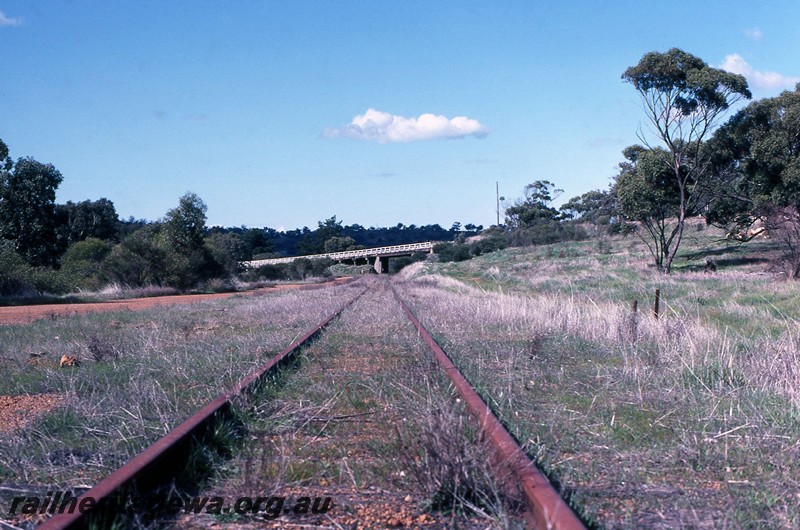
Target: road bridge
377 257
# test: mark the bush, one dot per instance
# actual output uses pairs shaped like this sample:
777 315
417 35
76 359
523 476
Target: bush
187 269
137 261
266 255
604 246
452 252
397 264
227 250
300 268
303 268
488 244
265 273
15 272
545 234
319 267
82 263
622 228
147 257
218 285
18 278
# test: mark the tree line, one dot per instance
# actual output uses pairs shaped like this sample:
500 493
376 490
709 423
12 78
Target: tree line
53 248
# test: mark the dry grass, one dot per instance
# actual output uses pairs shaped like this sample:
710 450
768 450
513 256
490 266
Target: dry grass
141 373
691 420
365 417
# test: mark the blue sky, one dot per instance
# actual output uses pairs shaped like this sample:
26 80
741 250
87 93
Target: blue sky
282 114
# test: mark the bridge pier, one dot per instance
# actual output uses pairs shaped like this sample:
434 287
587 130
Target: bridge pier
381 264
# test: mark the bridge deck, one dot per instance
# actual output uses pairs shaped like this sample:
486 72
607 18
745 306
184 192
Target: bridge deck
379 252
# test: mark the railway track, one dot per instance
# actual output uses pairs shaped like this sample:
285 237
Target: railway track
157 466
545 508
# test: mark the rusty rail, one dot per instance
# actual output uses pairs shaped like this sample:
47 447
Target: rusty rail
545 508
152 467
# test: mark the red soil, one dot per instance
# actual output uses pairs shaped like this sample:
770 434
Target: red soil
30 313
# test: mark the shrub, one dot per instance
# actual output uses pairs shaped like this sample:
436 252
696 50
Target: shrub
82 263
15 273
227 250
452 252
18 278
488 244
218 285
319 267
265 272
621 228
604 246
546 233
299 269
397 264
266 255
138 260
186 269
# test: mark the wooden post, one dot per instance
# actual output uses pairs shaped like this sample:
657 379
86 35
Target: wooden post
656 303
634 311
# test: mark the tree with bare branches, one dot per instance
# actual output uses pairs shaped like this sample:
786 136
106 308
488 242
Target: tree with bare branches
683 99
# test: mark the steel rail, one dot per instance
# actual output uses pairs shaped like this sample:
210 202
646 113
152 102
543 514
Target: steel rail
545 508
150 468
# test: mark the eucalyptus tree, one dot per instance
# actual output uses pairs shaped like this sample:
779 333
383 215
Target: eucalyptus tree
534 208
597 206
683 100
188 259
27 209
5 160
759 147
756 164
648 193
185 225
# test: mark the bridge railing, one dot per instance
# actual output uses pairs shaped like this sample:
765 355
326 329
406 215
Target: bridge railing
348 254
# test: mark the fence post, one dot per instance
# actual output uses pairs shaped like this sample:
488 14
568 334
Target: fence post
656 304
634 310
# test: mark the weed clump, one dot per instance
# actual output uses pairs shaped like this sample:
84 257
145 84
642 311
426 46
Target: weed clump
101 349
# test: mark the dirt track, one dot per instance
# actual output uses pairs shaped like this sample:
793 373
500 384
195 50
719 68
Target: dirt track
29 313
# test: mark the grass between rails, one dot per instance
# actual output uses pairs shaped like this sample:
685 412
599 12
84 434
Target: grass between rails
688 421
366 418
141 374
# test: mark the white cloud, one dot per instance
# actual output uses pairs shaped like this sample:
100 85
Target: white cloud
754 34
383 127
758 80
8 21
